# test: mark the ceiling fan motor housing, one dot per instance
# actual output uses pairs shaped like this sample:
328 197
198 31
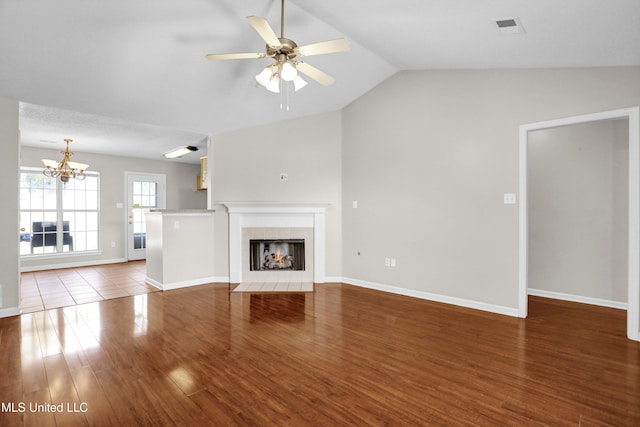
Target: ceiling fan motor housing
287 47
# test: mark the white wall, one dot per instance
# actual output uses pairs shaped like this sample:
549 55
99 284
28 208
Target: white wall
428 156
578 191
181 194
9 224
246 166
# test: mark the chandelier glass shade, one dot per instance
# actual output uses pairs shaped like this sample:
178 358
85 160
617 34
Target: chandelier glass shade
65 169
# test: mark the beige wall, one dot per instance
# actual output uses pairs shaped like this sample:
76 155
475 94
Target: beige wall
181 194
578 192
246 166
428 156
9 176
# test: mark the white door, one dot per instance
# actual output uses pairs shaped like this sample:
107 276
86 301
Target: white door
144 192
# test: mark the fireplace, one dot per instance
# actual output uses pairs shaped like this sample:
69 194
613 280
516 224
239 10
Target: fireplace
276 221
276 254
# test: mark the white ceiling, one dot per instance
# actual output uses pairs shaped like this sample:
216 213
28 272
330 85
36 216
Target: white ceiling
130 77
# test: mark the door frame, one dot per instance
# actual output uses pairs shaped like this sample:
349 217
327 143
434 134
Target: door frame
633 252
161 178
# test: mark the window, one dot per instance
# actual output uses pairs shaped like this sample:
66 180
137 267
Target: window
145 197
56 217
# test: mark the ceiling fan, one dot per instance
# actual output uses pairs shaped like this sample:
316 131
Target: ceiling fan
285 53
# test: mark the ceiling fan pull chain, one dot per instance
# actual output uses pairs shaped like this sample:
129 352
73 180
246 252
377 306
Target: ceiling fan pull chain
281 93
287 95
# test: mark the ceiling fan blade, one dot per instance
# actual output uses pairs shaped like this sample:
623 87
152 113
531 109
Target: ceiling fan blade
330 46
317 75
264 29
223 56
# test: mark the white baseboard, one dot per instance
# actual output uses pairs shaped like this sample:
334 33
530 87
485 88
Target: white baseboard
577 298
148 280
331 279
72 264
183 284
9 312
498 309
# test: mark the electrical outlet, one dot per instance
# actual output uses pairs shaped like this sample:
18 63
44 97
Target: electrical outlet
113 244
387 262
355 204
393 262
284 176
509 198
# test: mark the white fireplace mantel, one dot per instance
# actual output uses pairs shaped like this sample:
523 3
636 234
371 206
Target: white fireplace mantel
276 214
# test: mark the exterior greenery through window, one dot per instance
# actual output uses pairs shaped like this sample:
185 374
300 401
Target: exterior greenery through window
56 217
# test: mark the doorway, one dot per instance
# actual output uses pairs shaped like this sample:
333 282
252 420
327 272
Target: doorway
633 214
144 192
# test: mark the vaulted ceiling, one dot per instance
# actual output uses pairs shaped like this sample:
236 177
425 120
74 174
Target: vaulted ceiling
134 73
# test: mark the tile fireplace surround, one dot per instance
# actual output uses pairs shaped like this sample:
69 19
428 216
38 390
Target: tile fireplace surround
309 218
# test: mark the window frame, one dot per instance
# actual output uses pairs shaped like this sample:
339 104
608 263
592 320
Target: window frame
59 213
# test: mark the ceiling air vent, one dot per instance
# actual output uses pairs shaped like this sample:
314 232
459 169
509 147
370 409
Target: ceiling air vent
509 26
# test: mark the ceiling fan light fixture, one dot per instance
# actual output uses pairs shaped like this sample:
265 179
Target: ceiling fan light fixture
299 83
265 76
283 51
288 72
274 84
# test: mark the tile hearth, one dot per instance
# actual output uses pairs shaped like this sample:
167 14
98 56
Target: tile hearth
274 287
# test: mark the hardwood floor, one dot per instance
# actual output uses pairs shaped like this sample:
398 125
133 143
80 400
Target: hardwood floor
340 356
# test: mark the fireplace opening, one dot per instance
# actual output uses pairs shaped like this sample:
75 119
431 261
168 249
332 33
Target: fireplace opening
277 254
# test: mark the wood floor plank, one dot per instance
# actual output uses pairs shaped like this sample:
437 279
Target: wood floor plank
341 355
33 416
91 393
63 392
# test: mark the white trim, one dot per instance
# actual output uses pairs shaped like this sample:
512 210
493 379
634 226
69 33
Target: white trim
159 178
208 213
460 302
275 207
10 312
72 264
148 280
577 298
633 272
276 214
179 285
523 234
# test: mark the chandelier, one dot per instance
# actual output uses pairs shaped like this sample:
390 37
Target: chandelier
65 169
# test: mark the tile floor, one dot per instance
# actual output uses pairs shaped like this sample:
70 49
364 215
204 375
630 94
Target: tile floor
43 290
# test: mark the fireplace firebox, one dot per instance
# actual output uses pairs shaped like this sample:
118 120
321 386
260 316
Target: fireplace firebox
276 254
